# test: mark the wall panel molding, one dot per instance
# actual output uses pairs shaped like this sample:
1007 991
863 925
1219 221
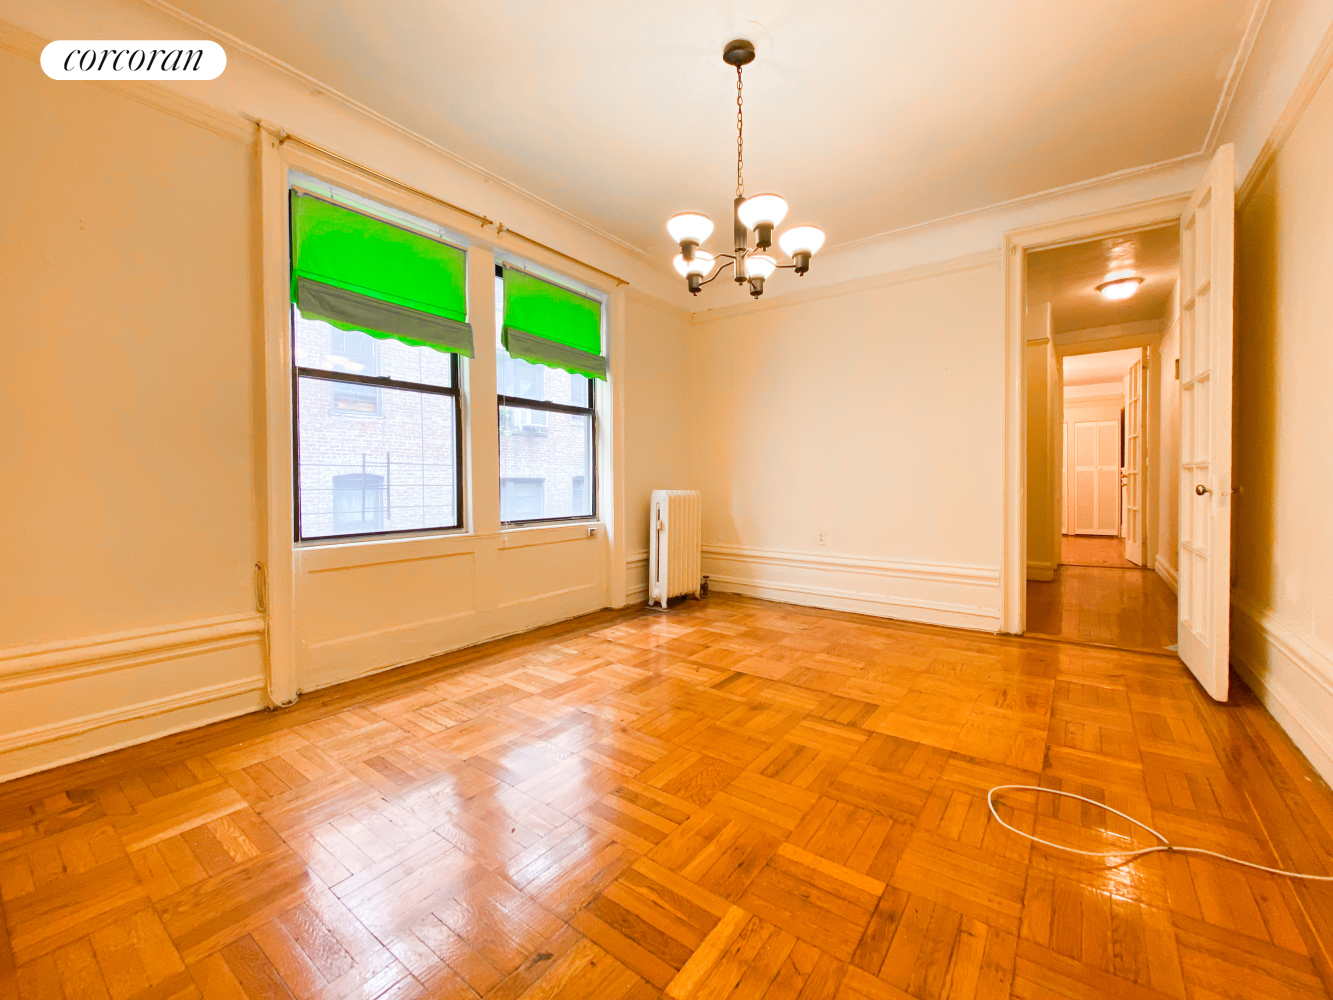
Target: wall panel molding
66 728
68 659
1291 674
636 577
964 596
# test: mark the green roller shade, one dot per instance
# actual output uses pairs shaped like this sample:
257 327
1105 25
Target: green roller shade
550 325
361 273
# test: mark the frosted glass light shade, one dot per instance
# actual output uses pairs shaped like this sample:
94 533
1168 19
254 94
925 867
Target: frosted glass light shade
799 239
701 265
762 208
1122 288
759 265
690 226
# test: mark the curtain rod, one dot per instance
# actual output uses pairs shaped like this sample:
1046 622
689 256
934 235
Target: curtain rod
500 228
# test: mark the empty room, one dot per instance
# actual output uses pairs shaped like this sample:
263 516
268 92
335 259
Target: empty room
695 501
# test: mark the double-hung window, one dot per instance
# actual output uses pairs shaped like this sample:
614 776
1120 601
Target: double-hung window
379 318
547 363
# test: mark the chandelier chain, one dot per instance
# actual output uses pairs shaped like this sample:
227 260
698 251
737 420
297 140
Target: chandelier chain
740 138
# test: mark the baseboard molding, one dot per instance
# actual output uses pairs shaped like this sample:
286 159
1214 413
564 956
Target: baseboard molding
1167 573
69 659
1043 572
43 747
903 569
963 596
1291 675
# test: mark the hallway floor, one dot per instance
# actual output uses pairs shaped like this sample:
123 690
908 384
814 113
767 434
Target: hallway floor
1114 605
733 799
1092 550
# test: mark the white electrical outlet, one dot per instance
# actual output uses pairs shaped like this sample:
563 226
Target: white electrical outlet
823 538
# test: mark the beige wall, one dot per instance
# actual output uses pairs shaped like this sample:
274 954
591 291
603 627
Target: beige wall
659 418
1283 536
873 413
134 457
131 470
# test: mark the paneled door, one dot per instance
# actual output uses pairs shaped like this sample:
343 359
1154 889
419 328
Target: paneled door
1096 447
1133 471
1207 243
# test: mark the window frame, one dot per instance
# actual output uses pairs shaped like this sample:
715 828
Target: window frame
299 372
522 403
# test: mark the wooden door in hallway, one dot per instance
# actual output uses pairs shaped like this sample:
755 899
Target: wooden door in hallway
1096 450
1207 243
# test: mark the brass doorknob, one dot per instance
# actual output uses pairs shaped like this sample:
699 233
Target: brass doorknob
1201 489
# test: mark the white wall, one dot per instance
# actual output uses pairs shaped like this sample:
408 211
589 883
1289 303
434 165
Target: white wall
133 396
871 412
1282 621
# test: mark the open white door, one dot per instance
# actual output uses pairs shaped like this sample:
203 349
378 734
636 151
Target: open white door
1133 472
1207 240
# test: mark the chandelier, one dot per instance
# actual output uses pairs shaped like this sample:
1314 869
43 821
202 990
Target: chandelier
761 213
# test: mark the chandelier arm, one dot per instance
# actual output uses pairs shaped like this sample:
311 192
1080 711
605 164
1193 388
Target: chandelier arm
718 271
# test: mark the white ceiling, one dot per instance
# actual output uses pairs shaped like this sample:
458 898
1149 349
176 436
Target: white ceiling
867 115
1095 369
1067 277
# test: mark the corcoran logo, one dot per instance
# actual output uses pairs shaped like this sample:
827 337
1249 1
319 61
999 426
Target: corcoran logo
133 60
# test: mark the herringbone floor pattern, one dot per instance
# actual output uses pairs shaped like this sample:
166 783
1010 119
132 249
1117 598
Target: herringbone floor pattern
734 799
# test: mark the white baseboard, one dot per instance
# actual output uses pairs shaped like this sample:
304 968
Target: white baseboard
1043 572
1166 573
1293 677
83 697
959 595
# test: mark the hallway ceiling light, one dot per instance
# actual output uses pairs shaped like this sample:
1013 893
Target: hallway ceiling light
761 212
1120 288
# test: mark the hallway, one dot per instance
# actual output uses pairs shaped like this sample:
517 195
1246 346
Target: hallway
1099 596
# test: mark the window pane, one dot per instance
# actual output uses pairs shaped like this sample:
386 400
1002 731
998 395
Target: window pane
514 377
390 469
545 464
319 345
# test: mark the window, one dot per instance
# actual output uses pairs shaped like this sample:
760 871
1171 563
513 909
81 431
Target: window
548 429
378 422
356 354
522 499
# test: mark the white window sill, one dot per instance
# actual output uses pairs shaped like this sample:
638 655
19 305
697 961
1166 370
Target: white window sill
319 558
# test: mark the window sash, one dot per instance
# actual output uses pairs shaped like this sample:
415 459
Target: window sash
298 373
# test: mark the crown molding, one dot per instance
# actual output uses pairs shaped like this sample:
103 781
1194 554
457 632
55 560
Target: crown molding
1027 199
1234 74
259 55
154 95
1309 84
901 276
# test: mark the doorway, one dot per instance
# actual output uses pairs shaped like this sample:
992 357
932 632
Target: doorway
1098 506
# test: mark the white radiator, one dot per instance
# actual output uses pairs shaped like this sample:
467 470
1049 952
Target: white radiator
673 545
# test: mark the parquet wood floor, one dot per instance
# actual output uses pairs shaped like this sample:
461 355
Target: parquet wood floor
734 799
1127 608
1093 550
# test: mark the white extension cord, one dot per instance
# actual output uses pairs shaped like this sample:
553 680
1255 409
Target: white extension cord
1165 844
